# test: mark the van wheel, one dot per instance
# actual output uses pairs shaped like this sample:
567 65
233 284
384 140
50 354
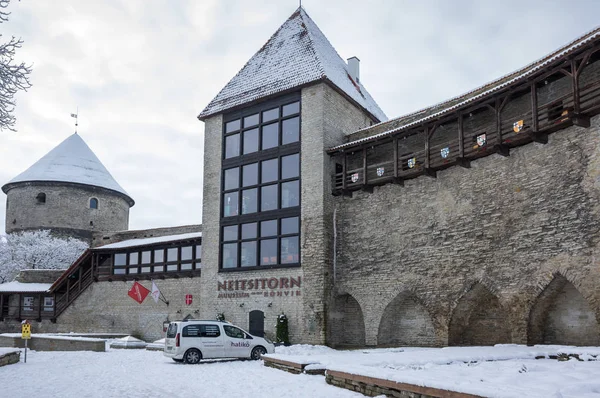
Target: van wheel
192 356
258 352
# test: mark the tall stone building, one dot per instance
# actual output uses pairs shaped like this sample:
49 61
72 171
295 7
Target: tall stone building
68 191
267 211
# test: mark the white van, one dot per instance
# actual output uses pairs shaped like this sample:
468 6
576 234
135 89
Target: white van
192 340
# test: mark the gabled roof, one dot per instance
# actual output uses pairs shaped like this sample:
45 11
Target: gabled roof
71 161
297 54
442 109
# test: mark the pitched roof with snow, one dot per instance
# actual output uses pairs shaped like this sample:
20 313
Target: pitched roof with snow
71 161
411 120
19 287
150 241
298 53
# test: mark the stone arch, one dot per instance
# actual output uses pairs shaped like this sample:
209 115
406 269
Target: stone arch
406 322
561 315
478 319
347 325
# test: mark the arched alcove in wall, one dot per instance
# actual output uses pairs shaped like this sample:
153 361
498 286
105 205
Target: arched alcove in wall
346 322
478 319
561 315
406 322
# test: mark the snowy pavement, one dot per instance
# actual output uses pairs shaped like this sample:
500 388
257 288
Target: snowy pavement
148 374
502 371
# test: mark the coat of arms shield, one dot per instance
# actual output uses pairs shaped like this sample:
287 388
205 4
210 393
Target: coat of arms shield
445 152
380 171
481 139
412 162
354 177
518 126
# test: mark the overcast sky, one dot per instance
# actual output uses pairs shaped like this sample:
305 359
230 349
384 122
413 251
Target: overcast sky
141 71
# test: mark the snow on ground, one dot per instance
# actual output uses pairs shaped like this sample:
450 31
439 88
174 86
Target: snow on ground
6 350
499 371
141 373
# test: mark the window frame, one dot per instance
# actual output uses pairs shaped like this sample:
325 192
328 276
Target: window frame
135 271
278 153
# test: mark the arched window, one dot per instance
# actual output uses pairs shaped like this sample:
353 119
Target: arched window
41 198
93 203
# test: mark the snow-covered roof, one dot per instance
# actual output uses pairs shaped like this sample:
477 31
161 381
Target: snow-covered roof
71 161
417 118
298 53
150 241
15 287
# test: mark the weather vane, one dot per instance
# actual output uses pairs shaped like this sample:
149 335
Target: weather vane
75 115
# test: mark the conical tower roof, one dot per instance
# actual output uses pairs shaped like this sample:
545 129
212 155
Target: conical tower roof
297 54
72 161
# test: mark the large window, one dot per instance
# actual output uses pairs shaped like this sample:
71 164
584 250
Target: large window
187 257
261 186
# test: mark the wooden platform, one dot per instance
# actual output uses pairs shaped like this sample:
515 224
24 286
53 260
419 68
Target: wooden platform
369 386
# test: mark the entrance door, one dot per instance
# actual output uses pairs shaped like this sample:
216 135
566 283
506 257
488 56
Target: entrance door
257 323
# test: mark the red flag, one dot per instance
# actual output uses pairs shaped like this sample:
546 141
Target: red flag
188 299
138 292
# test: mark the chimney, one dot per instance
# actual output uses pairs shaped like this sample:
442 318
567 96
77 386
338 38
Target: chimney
354 68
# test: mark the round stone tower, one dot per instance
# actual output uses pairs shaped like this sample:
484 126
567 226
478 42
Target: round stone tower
68 191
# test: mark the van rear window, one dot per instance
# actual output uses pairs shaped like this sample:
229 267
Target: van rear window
201 331
172 331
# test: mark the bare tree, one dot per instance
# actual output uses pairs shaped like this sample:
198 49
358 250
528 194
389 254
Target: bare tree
13 76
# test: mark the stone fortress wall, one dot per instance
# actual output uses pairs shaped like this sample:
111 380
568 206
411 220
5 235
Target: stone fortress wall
504 252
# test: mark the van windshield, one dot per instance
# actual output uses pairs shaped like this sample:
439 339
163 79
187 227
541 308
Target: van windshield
172 331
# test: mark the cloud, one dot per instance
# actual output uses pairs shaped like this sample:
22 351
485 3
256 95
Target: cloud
141 71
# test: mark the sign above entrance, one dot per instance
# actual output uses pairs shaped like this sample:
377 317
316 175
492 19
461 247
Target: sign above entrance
267 287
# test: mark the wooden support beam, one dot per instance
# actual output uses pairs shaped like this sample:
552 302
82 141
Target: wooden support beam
344 170
79 277
396 175
20 306
581 120
534 108
398 180
430 173
575 87
501 149
365 180
427 157
1 307
461 137
538 137
464 163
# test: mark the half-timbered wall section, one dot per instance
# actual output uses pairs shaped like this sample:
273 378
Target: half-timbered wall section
517 111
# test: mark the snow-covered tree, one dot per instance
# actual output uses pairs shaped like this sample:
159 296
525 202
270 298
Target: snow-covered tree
14 76
36 250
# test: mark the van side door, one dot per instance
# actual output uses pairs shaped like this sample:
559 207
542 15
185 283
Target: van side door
212 341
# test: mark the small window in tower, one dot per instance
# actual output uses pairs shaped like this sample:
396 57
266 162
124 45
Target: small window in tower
41 198
93 203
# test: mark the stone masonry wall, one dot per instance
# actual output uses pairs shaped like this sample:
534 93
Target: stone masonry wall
326 116
509 224
67 208
105 307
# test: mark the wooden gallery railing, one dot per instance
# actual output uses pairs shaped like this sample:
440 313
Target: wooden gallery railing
78 280
525 111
